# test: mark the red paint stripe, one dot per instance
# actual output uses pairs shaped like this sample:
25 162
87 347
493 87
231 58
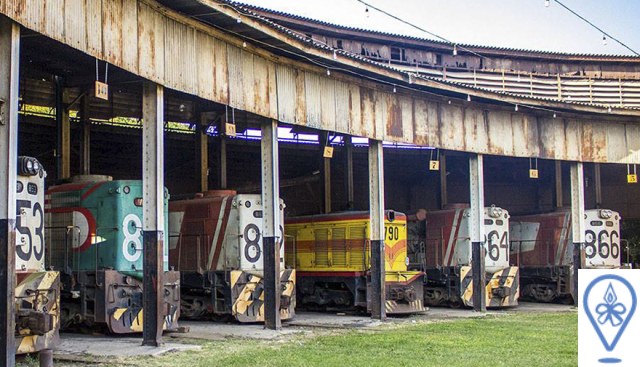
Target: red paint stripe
91 190
66 187
222 235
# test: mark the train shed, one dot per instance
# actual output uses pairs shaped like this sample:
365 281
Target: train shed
197 95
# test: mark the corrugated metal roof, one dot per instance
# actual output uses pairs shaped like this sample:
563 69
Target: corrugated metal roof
477 48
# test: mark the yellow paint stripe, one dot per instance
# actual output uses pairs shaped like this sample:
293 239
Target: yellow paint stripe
118 313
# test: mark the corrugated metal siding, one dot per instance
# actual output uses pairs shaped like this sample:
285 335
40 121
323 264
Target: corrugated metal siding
161 45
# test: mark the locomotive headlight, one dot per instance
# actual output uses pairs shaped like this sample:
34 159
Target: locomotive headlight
604 214
495 212
36 166
30 166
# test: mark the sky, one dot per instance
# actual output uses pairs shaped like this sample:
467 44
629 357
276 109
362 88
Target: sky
524 24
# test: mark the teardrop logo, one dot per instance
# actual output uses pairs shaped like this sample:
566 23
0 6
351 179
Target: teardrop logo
610 302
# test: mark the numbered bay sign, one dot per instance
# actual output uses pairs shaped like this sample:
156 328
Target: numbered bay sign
632 178
230 129
533 173
434 165
328 152
102 90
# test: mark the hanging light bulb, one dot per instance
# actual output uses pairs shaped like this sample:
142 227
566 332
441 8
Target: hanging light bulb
244 43
455 50
449 101
366 11
547 3
468 97
328 72
394 89
516 107
609 109
335 55
239 20
604 40
555 115
410 79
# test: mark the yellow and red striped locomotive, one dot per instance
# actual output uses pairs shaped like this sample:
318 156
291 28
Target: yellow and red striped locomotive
331 254
216 243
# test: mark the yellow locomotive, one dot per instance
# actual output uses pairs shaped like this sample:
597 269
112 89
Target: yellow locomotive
331 254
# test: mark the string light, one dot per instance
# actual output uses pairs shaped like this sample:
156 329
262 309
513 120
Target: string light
555 115
609 109
468 97
516 107
449 101
244 43
394 89
604 40
335 55
328 72
455 50
239 20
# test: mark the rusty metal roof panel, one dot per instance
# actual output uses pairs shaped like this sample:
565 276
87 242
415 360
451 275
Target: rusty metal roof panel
287 94
313 100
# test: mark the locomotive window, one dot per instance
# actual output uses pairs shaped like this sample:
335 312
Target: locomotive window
32 188
19 187
257 213
596 223
499 222
609 223
488 222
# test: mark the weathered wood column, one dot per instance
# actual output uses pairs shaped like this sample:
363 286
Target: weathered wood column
558 188
577 221
444 196
476 185
153 212
325 174
85 123
598 184
63 127
9 80
202 153
271 224
376 229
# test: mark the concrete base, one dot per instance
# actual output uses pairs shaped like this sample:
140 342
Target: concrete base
111 346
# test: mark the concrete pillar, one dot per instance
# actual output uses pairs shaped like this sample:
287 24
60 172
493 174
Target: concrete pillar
476 185
376 230
598 185
271 230
558 189
444 199
153 209
9 81
85 122
63 124
577 220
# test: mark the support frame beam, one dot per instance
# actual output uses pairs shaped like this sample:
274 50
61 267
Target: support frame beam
476 186
271 224
577 221
9 94
153 209
376 230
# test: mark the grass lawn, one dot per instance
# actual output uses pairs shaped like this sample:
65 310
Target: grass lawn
510 340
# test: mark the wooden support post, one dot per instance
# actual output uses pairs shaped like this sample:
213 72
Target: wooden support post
476 185
598 185
85 123
444 200
9 81
202 153
376 230
63 123
271 224
153 212
558 189
577 221
349 172
325 174
222 157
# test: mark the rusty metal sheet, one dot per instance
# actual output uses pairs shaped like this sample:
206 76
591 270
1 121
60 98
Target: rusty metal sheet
355 110
367 105
179 54
236 80
633 143
328 103
393 117
573 135
342 107
75 31
451 127
272 90
617 148
260 89
151 28
380 112
313 100
287 94
54 19
94 27
130 35
406 106
112 31
30 12
248 82
301 102
222 72
206 65
424 124
475 125
594 141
